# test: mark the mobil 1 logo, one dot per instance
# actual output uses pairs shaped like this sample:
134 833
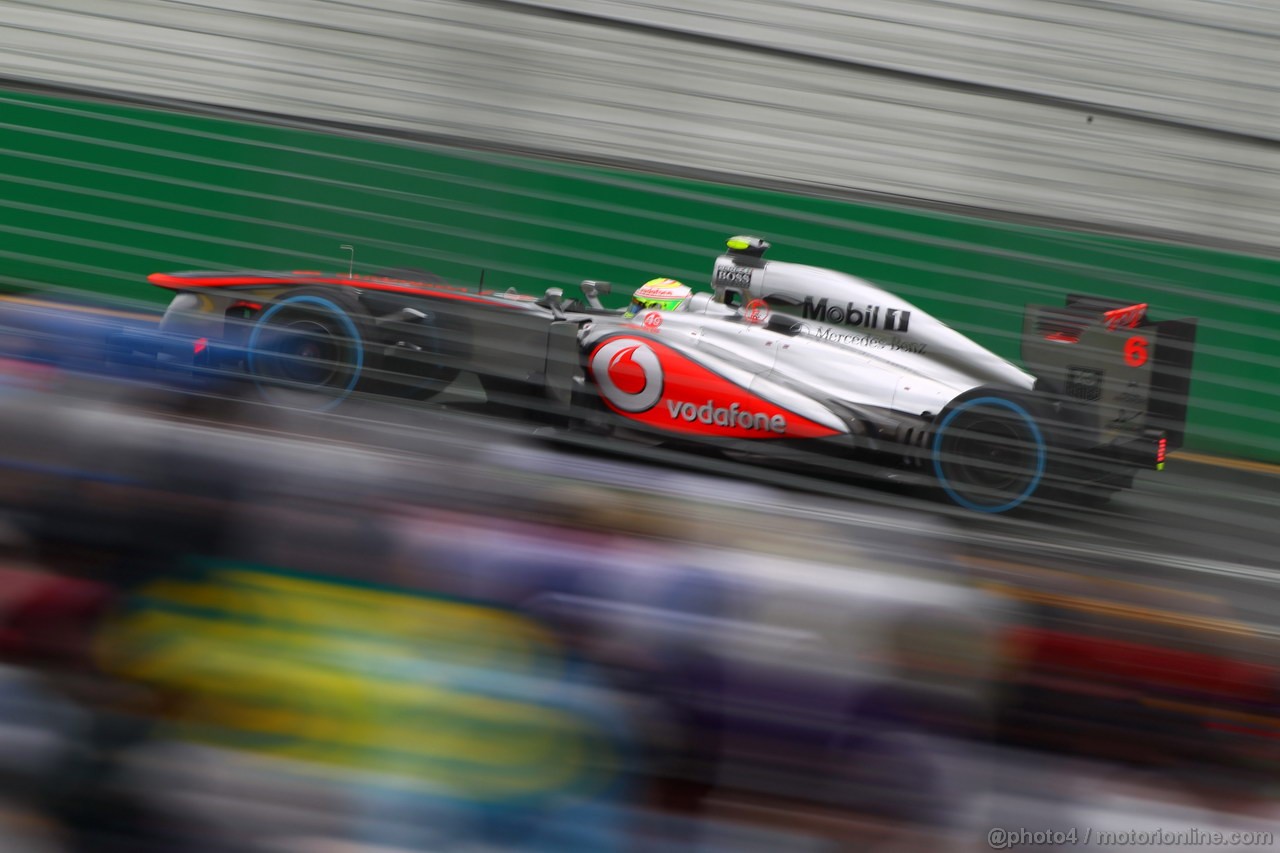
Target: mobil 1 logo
857 316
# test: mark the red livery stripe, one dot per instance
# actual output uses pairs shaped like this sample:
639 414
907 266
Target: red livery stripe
193 281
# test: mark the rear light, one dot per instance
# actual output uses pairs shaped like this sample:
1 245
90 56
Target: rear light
1147 451
200 346
1151 450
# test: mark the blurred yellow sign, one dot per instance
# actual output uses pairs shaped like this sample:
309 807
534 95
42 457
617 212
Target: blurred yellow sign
453 695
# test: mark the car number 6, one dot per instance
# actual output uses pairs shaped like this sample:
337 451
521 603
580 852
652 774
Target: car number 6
1135 351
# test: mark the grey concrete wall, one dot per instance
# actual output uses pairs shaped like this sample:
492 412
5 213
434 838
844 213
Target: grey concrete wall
1149 114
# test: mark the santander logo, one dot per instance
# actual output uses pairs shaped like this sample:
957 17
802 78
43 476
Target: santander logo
628 374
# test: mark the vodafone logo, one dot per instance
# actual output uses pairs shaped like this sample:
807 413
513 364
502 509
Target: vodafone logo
628 374
669 391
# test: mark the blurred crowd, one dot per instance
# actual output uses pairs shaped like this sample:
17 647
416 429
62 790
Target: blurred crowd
389 631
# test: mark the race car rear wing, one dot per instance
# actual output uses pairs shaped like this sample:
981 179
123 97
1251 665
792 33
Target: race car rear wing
1131 376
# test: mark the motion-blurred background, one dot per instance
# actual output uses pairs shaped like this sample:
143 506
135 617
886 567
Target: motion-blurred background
232 629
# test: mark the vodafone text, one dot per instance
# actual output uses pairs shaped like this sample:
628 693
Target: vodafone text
726 416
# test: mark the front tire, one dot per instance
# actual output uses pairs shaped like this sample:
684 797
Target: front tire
989 451
308 350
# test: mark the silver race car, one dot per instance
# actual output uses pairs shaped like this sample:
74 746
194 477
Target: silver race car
781 363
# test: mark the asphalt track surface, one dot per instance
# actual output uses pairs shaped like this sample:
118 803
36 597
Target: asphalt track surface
1204 528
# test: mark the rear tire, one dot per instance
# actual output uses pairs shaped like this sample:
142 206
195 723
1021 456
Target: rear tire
989 451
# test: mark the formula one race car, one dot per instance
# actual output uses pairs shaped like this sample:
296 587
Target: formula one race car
781 362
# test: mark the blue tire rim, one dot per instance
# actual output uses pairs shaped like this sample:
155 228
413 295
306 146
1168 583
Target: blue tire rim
343 320
1040 455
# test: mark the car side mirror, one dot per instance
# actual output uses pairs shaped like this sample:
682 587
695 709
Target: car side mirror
592 290
554 299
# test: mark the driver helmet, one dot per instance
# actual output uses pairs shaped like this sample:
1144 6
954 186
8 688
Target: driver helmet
664 294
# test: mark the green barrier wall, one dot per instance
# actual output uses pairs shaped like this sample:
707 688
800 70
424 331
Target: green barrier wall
97 195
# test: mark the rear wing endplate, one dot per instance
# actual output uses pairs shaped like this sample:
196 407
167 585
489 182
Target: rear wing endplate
1129 375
